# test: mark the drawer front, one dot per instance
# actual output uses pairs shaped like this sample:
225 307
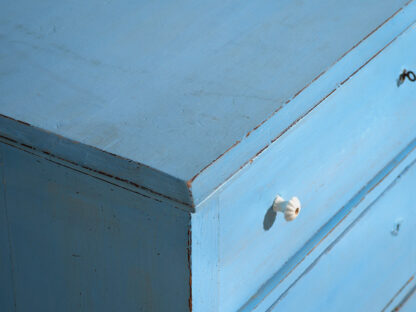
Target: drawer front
371 260
325 159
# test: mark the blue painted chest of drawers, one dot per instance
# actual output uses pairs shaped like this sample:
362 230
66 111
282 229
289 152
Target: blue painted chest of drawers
218 156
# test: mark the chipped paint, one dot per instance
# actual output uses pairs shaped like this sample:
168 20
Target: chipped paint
83 172
189 182
189 200
100 172
405 299
397 308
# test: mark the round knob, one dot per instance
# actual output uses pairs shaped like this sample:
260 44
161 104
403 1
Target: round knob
290 208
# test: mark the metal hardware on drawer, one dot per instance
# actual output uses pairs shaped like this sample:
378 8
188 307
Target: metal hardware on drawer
396 228
290 208
409 74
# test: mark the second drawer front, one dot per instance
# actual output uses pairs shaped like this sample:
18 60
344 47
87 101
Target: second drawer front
369 263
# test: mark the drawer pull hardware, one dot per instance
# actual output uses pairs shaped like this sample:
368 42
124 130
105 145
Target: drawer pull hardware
407 74
290 208
396 228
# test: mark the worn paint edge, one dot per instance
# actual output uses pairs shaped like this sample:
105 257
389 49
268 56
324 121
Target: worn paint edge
405 299
15 132
269 288
80 170
198 183
192 192
397 294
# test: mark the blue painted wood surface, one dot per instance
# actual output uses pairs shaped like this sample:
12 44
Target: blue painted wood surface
403 299
408 304
80 244
368 263
325 159
7 300
120 119
130 175
206 289
295 268
159 83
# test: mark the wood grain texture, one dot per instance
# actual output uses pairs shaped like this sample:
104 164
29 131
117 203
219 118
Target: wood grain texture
81 244
119 119
295 268
324 160
367 264
120 76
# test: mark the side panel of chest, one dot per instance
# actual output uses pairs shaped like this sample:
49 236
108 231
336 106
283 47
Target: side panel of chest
6 268
81 244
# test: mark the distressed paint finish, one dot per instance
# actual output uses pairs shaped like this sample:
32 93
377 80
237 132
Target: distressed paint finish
110 123
301 104
81 244
367 264
89 159
408 303
402 296
294 269
114 74
324 160
206 243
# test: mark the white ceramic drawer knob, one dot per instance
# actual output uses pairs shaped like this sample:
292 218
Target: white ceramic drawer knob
290 208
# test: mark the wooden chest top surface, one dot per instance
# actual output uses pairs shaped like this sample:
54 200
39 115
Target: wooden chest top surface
169 85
